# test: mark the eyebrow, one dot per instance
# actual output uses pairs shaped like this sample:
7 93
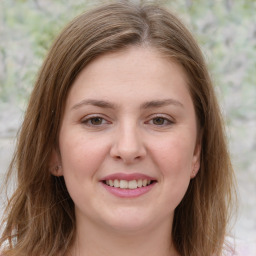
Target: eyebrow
97 103
146 105
161 103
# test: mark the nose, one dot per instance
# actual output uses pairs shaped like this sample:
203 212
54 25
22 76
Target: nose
128 144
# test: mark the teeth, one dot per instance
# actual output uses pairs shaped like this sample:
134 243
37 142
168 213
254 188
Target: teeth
116 184
132 184
111 183
124 184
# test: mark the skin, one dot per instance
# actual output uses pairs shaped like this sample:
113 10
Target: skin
146 125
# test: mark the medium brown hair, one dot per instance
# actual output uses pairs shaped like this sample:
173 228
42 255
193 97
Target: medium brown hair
40 217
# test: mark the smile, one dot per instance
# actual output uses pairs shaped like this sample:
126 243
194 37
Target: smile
125 184
128 185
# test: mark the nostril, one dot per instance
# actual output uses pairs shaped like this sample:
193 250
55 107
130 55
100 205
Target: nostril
128 148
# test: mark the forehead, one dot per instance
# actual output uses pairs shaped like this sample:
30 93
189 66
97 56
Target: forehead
135 74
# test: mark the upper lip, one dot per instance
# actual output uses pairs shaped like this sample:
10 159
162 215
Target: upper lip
128 177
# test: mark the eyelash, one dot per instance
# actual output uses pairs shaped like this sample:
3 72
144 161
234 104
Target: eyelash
88 121
166 121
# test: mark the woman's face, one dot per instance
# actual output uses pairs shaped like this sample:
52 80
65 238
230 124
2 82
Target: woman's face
128 140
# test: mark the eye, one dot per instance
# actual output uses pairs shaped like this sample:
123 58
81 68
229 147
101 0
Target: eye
94 121
160 121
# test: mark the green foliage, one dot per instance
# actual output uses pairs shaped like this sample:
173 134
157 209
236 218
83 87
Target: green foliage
29 28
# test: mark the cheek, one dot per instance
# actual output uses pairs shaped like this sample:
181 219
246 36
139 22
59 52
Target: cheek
81 155
174 160
81 159
174 156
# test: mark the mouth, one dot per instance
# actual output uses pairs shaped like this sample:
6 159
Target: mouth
131 185
128 184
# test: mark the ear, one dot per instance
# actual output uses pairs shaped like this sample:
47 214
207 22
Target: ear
196 159
55 167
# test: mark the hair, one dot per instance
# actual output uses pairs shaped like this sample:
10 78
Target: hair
40 218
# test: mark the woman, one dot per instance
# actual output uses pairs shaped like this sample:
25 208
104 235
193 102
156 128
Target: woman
122 149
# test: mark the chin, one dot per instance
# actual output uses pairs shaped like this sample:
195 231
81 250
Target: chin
129 220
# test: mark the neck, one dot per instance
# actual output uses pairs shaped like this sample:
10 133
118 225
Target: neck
96 241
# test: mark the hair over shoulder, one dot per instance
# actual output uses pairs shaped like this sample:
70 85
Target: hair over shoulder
39 218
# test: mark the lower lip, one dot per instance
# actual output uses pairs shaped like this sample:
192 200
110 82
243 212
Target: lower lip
128 193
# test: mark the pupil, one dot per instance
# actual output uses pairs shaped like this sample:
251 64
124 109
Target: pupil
158 121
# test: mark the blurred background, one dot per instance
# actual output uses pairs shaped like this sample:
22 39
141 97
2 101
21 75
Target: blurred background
226 32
